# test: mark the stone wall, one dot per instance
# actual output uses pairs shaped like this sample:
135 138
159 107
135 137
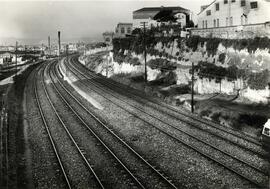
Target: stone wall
235 32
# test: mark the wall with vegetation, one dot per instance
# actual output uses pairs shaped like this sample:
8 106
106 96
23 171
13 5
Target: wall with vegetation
241 64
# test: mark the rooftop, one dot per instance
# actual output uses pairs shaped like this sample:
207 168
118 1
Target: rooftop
206 6
146 9
126 24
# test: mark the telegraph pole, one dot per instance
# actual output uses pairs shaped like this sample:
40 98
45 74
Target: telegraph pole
67 50
144 44
192 88
16 47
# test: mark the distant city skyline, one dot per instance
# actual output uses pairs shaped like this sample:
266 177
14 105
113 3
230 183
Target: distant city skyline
31 22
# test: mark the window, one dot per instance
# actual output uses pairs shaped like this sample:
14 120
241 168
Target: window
242 20
214 23
233 1
208 13
122 30
128 30
225 1
266 131
217 6
217 22
203 24
231 21
243 3
227 21
254 5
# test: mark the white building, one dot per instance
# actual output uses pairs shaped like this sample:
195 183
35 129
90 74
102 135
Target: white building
223 13
146 15
123 29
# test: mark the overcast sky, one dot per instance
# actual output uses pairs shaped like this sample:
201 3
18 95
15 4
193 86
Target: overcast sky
36 20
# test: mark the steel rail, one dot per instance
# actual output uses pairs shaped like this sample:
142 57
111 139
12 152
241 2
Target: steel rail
173 126
233 132
195 148
68 133
48 130
116 136
93 133
106 83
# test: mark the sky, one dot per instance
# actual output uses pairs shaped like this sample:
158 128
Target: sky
33 21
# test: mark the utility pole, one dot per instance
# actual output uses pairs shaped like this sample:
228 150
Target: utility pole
107 61
192 88
144 44
16 47
67 50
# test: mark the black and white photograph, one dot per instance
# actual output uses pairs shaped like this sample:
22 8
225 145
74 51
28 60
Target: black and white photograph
135 94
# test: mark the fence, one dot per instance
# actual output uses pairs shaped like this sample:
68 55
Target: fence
235 32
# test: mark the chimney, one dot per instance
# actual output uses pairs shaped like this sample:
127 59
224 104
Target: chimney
59 43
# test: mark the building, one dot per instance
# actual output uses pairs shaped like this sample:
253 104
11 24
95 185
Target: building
108 37
123 29
72 47
226 13
147 15
6 57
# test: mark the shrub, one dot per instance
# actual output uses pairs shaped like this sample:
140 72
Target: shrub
254 120
205 113
212 45
193 42
135 61
221 57
215 116
259 80
139 78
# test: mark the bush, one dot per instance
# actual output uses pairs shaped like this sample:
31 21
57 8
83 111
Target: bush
139 78
215 116
221 57
212 45
254 120
182 89
205 113
193 42
258 80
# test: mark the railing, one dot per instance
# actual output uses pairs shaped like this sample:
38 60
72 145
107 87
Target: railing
235 32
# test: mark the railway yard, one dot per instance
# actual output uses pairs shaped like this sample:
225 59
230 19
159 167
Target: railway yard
83 130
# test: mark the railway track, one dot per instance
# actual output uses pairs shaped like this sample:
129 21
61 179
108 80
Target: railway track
49 133
237 138
130 92
207 155
258 152
157 177
95 182
98 141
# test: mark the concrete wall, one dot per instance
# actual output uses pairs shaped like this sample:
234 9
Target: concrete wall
235 32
